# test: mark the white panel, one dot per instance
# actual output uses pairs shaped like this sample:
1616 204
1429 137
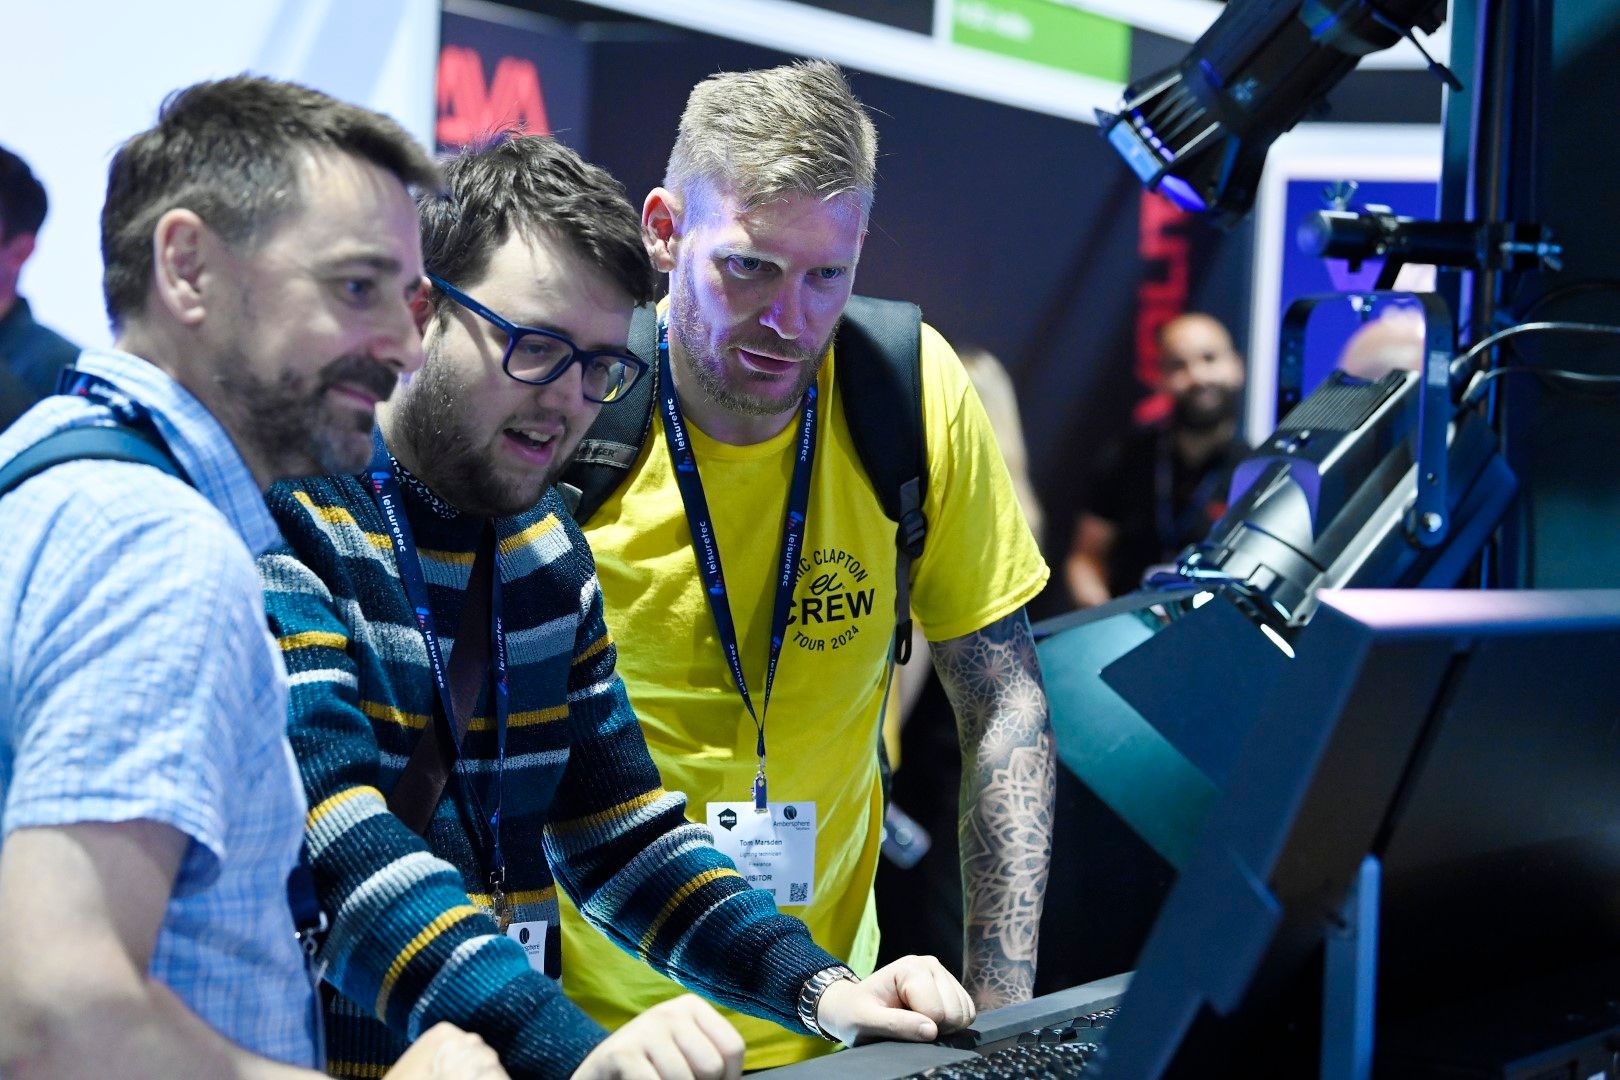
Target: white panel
1358 151
90 73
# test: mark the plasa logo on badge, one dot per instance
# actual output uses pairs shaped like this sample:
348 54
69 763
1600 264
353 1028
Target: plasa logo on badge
790 812
523 936
728 819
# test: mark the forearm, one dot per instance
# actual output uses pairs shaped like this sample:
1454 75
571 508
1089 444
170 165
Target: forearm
1005 827
703 926
1087 580
129 1029
409 946
655 885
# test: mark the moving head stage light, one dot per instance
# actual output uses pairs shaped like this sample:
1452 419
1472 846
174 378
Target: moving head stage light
1364 483
1198 132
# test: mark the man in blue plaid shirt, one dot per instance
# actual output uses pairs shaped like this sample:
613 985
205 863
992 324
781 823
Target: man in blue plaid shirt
261 251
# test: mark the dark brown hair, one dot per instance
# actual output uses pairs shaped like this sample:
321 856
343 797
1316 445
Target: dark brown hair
533 184
22 197
231 151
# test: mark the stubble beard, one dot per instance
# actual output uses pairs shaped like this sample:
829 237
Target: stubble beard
709 367
292 425
1191 415
432 425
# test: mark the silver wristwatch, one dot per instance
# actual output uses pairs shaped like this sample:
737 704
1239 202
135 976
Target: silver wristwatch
810 995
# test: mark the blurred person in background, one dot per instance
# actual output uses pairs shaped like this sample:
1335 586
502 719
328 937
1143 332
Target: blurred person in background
1164 485
31 355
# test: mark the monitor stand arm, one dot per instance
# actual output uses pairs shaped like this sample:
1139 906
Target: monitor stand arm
1350 980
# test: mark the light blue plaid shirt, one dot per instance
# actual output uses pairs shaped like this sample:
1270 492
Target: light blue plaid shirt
138 680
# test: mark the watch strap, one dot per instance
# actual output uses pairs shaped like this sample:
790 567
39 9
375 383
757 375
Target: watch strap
810 996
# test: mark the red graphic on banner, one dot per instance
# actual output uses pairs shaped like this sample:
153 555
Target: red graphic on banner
470 108
1162 294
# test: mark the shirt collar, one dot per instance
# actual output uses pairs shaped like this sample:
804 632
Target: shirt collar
197 440
18 316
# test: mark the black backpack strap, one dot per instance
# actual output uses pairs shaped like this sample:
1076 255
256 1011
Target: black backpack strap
612 444
880 372
117 443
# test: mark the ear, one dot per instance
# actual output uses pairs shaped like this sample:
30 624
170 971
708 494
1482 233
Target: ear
182 248
421 306
16 250
661 227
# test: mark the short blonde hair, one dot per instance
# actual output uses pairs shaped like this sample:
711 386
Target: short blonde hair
761 135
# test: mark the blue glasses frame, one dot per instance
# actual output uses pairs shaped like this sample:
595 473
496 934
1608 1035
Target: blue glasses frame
622 369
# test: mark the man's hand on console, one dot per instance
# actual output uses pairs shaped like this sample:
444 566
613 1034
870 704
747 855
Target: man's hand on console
913 999
445 1052
681 1039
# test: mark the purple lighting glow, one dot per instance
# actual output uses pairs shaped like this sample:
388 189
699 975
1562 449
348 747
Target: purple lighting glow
1182 194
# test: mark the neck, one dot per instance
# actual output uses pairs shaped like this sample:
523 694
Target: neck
714 419
1196 447
392 427
388 423
172 356
8 300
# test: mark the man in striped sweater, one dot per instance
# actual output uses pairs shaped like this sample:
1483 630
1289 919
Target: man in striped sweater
553 783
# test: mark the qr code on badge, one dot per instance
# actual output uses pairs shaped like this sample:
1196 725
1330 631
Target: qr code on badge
798 892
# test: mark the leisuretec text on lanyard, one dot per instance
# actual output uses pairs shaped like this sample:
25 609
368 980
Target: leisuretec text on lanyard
707 549
385 487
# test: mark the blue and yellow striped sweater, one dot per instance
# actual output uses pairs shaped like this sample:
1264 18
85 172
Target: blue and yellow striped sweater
411 941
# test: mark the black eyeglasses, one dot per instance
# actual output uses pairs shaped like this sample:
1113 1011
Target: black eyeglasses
540 356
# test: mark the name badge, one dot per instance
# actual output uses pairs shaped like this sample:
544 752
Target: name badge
532 936
775 851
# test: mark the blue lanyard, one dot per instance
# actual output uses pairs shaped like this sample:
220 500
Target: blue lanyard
126 409
707 548
385 487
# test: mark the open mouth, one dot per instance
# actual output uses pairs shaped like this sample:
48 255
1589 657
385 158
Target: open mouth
770 365
531 443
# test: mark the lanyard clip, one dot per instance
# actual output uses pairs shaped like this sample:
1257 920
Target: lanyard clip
497 898
761 805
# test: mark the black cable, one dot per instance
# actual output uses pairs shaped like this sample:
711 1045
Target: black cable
1551 375
1463 362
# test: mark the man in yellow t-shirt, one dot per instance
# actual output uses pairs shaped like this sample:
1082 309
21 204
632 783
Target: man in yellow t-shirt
760 224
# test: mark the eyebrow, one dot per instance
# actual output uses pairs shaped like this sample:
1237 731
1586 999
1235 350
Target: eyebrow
385 264
730 251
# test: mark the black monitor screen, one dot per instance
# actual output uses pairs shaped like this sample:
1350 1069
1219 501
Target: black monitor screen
1470 741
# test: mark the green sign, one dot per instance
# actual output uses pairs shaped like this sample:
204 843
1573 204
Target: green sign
1045 32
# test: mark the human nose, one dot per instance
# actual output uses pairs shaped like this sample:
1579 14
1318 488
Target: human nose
785 315
398 342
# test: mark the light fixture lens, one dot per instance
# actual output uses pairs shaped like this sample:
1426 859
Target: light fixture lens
1278 640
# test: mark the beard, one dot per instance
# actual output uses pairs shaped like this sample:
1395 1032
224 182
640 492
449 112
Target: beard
451 458
1207 411
294 425
744 392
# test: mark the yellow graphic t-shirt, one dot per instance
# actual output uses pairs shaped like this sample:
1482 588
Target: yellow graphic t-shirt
980 564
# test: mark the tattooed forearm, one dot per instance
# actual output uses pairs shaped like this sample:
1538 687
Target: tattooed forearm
1008 776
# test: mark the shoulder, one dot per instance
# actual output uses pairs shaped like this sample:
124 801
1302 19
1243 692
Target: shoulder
103 503
305 497
942 370
321 504
551 505
547 535
126 540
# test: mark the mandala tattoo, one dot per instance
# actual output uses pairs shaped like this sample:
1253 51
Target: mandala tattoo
1008 778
